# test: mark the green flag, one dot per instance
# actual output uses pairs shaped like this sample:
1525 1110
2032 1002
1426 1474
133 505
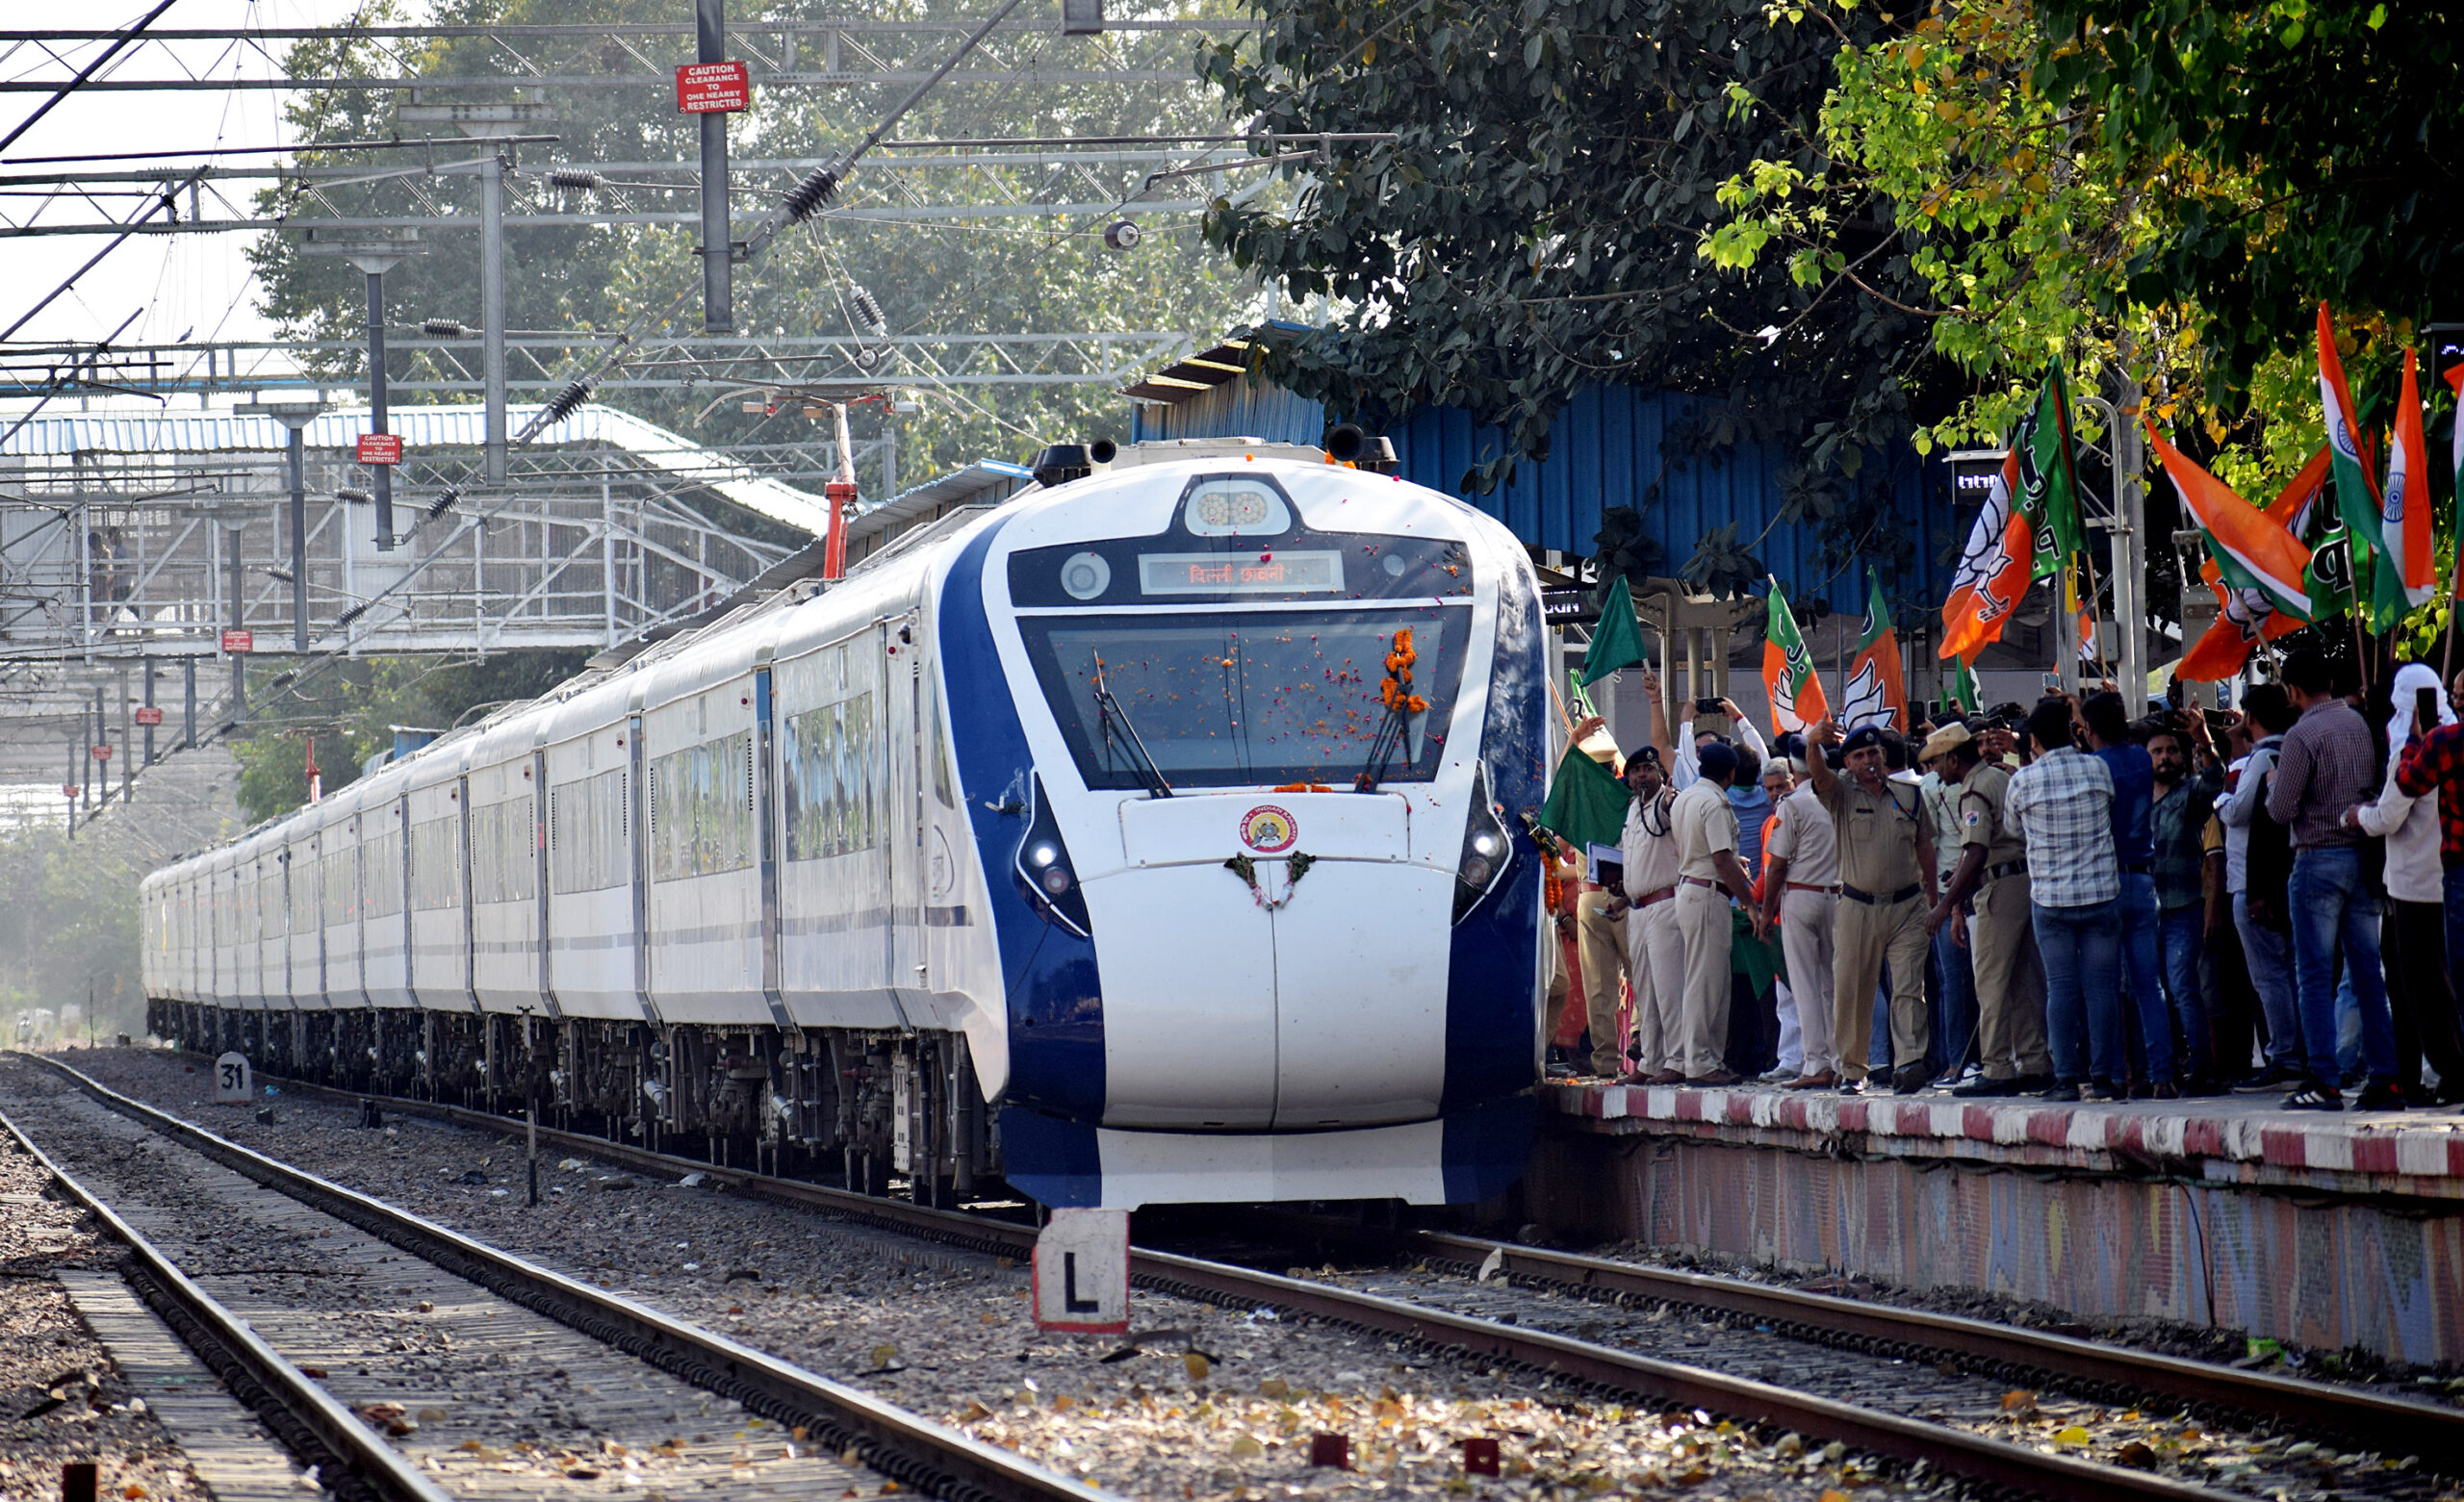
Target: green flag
1586 802
2049 478
1617 642
1964 687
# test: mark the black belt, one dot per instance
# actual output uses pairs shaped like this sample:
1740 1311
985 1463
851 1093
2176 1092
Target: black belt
1856 895
2008 868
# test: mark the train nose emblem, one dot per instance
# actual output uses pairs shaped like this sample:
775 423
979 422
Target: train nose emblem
1268 830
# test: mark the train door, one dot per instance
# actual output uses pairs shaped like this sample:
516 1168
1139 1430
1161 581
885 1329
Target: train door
1180 1014
1361 949
904 834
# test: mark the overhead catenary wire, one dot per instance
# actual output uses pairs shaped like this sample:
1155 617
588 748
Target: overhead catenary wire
124 39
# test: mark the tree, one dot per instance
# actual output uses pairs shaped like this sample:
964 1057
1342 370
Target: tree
2309 147
1532 227
1028 272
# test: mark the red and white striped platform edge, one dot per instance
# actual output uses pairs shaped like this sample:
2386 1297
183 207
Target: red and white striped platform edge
2232 1138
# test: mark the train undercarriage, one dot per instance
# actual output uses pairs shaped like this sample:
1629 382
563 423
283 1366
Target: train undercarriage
875 1111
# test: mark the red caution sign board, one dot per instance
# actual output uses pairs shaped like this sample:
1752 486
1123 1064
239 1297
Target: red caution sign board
149 715
239 641
713 89
103 752
380 449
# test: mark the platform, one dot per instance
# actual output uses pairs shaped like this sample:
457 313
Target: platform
2332 1230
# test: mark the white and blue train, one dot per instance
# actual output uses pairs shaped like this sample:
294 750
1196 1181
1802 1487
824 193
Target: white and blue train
1154 837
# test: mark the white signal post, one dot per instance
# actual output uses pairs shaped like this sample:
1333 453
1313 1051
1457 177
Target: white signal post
1082 1272
232 1086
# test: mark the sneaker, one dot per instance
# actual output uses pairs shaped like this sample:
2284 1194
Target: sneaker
2315 1097
2275 1077
2062 1090
2097 1090
1983 1088
1971 1072
2386 1096
1853 1087
1776 1074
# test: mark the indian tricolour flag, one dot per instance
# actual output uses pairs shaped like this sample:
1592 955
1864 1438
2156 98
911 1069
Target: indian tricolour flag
2355 499
2407 576
2252 550
1797 699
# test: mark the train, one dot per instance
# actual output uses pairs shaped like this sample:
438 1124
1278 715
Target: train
1157 834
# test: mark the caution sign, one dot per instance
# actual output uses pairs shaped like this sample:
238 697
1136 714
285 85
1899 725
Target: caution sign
713 89
379 448
1082 1272
231 1083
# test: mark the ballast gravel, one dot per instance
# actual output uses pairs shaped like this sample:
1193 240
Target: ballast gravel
61 1398
1198 1402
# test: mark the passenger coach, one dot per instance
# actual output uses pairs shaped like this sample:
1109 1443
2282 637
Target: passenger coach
1156 837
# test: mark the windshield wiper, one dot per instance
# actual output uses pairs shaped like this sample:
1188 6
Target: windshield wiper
1109 710
1401 703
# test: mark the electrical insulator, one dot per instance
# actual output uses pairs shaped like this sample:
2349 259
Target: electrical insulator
561 406
444 328
575 177
357 497
444 503
811 195
868 313
1123 235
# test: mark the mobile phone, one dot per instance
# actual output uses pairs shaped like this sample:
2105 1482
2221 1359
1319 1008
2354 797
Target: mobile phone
1709 706
2426 705
2218 721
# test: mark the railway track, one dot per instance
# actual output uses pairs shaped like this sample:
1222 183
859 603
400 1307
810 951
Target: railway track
411 1364
2397 1426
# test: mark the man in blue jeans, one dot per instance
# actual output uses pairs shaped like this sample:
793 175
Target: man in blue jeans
2327 765
2184 809
2142 944
2258 865
2063 802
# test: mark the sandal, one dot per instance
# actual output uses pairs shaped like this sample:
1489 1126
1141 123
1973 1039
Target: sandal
2311 1097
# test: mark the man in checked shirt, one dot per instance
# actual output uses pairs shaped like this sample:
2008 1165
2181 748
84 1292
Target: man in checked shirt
2328 765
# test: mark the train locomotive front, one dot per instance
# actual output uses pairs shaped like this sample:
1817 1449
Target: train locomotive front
1245 743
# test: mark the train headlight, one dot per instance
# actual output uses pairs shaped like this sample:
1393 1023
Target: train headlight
1085 575
1045 871
1487 852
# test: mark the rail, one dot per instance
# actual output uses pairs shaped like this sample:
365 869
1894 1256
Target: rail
1984 1458
907 1446
351 1459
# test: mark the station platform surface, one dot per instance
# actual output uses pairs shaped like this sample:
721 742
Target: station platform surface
2246 1139
2329 1230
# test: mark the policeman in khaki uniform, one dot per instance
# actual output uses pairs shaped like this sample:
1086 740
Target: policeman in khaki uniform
1885 870
1706 863
1655 949
1994 869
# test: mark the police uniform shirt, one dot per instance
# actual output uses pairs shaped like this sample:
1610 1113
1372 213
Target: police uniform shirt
1651 845
1804 838
1982 820
1705 825
1877 835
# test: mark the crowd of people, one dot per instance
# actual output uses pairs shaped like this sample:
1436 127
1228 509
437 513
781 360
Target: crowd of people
2062 901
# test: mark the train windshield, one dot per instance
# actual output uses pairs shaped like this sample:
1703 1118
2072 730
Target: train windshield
1239 698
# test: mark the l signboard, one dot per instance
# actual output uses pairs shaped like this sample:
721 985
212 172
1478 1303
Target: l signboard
380 449
713 89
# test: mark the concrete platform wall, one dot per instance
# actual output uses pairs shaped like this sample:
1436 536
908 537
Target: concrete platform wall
2328 1271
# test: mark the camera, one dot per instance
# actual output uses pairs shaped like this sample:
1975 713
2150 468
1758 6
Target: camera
1708 705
